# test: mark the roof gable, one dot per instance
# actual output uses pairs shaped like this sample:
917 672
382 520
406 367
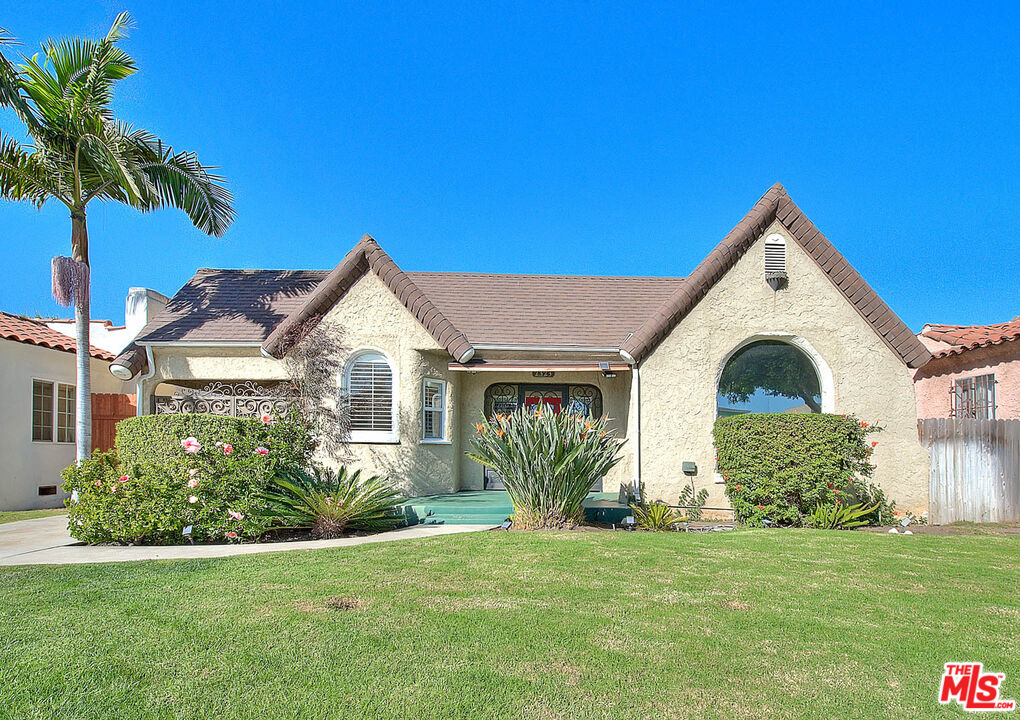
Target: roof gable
776 205
368 256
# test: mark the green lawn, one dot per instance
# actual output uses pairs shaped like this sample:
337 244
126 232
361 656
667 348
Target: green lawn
7 516
770 624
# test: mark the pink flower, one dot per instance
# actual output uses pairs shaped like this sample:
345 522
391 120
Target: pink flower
193 483
261 451
232 535
228 448
192 499
236 515
123 478
191 445
266 419
98 483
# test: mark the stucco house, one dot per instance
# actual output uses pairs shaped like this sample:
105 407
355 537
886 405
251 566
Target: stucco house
974 373
429 352
37 384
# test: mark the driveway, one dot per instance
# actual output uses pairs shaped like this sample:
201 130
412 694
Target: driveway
45 541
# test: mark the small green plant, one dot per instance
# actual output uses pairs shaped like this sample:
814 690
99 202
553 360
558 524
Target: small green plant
656 516
330 503
693 502
548 461
836 516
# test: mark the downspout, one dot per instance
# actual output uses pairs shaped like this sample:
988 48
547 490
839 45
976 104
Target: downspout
139 399
635 403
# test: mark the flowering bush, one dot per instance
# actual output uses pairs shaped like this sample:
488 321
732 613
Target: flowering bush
162 489
548 461
779 467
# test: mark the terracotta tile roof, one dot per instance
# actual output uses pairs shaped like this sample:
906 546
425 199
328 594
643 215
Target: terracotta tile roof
777 205
545 310
33 332
956 339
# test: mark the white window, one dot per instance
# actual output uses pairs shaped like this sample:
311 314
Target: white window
52 409
433 412
775 258
42 411
370 386
65 413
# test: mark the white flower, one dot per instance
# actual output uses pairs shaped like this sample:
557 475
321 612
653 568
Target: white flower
192 499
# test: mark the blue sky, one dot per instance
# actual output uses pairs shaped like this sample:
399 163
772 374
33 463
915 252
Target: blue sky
575 137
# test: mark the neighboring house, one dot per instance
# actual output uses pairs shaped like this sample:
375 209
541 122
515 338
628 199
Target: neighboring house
141 306
430 352
37 385
975 372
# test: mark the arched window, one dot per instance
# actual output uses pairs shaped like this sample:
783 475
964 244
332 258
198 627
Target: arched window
769 376
370 387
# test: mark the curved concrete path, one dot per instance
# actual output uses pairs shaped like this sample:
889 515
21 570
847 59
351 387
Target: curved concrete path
45 541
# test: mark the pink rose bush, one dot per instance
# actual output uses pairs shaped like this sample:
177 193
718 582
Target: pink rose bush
204 473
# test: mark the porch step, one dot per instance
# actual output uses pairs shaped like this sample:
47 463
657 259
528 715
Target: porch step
482 507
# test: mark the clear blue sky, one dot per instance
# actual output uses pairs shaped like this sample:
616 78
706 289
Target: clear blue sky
575 137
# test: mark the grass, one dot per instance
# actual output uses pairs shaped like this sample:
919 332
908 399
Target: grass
7 516
763 624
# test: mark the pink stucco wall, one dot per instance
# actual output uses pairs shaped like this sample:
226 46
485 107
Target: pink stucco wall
934 380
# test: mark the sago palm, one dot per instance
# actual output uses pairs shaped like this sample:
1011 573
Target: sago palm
78 152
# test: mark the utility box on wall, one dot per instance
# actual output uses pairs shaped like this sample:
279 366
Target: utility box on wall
689 467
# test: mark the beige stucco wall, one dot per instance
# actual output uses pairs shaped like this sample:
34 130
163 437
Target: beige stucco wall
615 404
370 316
28 464
678 380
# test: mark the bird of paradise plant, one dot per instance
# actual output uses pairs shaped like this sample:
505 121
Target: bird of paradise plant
548 461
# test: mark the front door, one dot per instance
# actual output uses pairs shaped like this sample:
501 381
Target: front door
553 396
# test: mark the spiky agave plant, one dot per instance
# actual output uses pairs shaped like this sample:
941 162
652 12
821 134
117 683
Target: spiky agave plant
329 503
548 461
835 516
657 516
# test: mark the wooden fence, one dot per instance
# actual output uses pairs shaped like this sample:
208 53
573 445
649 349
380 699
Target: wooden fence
107 410
975 469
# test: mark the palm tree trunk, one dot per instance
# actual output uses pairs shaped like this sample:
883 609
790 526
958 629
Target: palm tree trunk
83 392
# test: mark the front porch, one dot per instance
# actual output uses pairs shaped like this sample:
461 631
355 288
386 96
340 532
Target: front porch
492 507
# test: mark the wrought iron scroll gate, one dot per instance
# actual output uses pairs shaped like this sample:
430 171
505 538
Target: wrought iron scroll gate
243 399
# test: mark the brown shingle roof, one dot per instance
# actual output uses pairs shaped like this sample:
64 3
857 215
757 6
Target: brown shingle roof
777 205
960 338
32 332
545 310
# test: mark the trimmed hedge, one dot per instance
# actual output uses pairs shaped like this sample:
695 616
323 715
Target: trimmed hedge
150 490
779 466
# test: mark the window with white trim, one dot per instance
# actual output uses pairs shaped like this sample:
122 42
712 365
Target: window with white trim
42 411
65 413
433 410
370 387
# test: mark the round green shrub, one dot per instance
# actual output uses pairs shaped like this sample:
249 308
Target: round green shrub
152 489
780 466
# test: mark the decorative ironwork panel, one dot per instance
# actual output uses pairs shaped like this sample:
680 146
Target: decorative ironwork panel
504 398
243 399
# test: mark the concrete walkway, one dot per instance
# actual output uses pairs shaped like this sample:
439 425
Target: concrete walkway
45 541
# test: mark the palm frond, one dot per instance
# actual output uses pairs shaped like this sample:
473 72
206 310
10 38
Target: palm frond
25 176
181 181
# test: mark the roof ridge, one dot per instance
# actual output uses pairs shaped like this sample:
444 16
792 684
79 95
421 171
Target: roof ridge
546 275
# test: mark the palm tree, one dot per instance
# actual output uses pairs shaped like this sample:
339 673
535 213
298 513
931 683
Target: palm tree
78 152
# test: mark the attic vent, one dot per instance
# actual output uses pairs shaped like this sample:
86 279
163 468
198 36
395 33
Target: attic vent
775 261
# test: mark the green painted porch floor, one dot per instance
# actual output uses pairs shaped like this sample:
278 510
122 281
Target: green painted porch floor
492 507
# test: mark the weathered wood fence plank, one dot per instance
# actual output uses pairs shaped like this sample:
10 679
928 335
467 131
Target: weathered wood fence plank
974 472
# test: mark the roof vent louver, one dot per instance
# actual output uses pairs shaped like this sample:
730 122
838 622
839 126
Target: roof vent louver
775 261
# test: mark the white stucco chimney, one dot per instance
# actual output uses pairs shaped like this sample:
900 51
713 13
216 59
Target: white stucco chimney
141 306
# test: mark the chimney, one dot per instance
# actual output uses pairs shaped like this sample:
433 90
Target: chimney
142 305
